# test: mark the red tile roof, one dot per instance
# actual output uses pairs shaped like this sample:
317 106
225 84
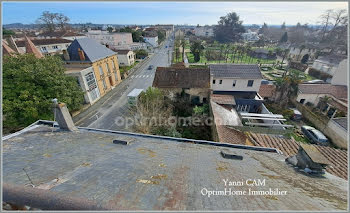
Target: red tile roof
267 90
38 42
335 90
338 158
6 49
30 48
230 135
223 99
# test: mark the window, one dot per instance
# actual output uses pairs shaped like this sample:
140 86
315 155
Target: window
113 64
90 79
302 101
250 83
220 82
55 47
234 83
214 81
107 68
101 71
104 84
116 76
44 48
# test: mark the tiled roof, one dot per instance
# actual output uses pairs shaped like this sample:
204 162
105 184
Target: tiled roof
38 42
335 90
181 77
337 158
6 49
59 34
30 48
230 135
267 90
244 71
343 122
93 50
223 99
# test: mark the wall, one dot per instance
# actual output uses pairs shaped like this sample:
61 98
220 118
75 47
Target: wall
312 98
241 84
152 40
341 74
126 60
339 134
324 67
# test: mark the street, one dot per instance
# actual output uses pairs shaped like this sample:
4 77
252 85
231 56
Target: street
115 107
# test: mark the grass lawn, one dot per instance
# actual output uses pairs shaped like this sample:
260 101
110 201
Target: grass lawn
301 73
177 60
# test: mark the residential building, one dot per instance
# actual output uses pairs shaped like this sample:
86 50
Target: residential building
297 53
68 35
90 161
340 76
10 48
95 66
113 40
46 46
125 57
250 36
240 80
191 82
328 64
311 93
151 39
205 31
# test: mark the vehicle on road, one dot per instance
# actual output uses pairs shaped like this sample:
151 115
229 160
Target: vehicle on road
150 67
314 135
296 115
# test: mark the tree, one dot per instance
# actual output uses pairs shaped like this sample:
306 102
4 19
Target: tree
286 88
183 44
51 20
285 54
284 38
283 26
302 47
6 32
263 29
305 59
29 85
229 28
137 36
161 36
196 49
140 54
110 29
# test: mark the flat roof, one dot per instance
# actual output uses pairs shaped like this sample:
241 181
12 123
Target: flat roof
135 92
159 173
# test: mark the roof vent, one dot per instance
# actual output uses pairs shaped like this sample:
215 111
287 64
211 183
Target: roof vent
121 142
230 155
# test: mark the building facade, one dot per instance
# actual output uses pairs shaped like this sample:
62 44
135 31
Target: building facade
46 46
205 31
113 40
152 40
125 57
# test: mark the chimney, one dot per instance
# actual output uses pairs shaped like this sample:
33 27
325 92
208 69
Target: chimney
81 54
63 117
66 55
309 159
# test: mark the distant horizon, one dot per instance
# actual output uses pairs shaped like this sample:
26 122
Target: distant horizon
178 13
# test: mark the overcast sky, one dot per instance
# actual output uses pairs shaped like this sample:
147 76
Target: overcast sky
192 13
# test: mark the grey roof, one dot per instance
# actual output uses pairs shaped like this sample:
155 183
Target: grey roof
343 122
158 173
244 71
93 50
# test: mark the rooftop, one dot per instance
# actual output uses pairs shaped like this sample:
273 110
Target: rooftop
181 77
223 99
335 90
92 49
121 52
38 42
267 90
158 173
58 34
343 122
243 71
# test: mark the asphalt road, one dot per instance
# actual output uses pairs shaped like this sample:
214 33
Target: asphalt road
111 113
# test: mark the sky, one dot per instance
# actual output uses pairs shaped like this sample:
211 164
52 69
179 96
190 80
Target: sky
192 13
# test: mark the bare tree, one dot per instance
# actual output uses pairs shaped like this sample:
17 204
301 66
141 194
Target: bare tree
62 21
48 20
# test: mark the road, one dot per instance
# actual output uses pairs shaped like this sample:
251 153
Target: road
111 113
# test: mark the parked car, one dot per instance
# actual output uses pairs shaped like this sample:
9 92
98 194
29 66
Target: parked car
296 115
150 67
314 135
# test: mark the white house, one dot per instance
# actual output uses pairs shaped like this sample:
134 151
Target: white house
250 36
328 64
113 40
205 31
61 34
46 46
297 53
235 77
125 57
152 40
340 76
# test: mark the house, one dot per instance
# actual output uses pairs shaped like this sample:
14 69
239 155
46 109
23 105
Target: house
296 52
46 46
125 57
191 82
328 64
95 67
151 38
115 40
340 76
68 35
311 93
80 168
250 36
205 31
10 47
263 54
339 128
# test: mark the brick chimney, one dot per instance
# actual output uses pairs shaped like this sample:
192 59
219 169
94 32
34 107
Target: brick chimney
66 55
63 117
81 54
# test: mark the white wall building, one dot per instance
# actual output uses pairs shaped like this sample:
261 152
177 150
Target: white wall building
340 76
250 36
125 57
235 77
113 40
327 64
46 46
205 31
152 40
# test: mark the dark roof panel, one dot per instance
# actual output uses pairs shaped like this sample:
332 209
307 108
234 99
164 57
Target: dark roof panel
243 71
343 122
